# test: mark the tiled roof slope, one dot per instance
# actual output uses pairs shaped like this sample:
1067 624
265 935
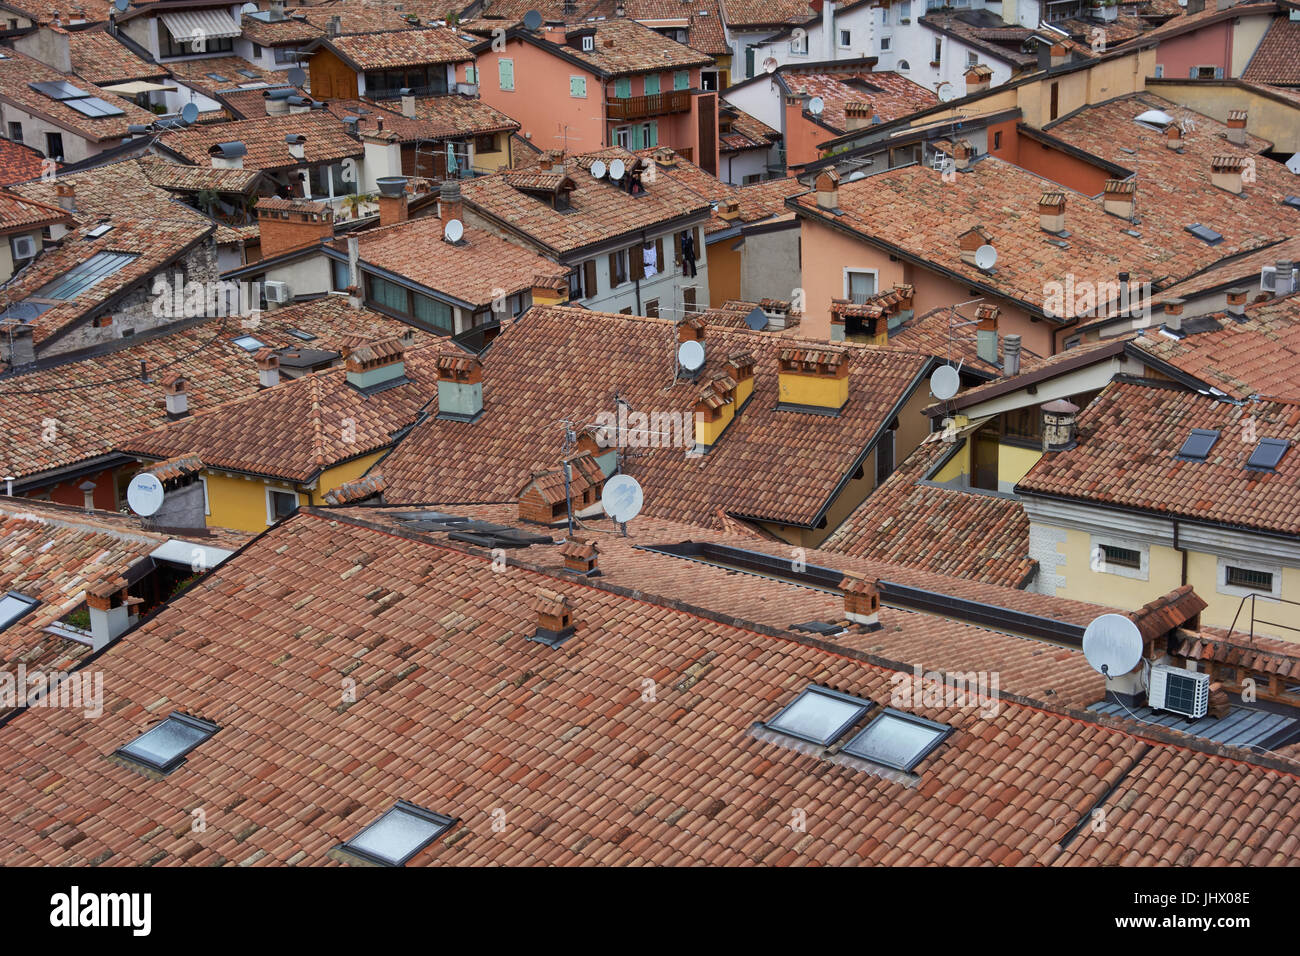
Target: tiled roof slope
756 201
299 428
775 465
18 70
189 179
473 270
594 773
891 95
327 141
1277 58
1257 357
756 13
19 214
293 30
19 163
1241 270
624 47
968 534
1128 438
99 58
598 211
747 132
947 333
99 402
397 48
436 117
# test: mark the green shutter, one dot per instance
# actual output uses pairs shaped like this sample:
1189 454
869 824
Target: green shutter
654 133
507 71
622 88
578 86
652 84
636 137
681 80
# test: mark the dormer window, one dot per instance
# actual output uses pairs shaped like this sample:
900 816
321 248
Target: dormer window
588 44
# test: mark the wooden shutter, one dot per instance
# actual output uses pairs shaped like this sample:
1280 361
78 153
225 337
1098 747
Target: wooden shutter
637 263
589 278
578 86
677 248
659 253
652 84
688 297
613 269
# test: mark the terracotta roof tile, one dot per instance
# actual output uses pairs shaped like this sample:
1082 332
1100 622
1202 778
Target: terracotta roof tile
398 48
18 70
1277 58
99 58
327 140
17 213
890 95
19 163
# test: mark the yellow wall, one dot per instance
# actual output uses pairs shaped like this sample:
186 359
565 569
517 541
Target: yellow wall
486 162
1266 117
1014 462
822 391
240 503
956 466
1164 573
724 272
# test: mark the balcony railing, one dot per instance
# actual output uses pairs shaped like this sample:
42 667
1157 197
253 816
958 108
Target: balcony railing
656 104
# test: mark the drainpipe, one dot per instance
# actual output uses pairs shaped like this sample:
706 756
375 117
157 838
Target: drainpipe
1179 548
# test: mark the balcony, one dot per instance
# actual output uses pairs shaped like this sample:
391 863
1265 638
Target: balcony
643 107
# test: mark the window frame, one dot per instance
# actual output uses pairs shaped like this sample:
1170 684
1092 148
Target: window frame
575 82
271 519
892 713
844 44
509 63
1224 586
196 723
444 822
1140 573
865 706
31 602
849 271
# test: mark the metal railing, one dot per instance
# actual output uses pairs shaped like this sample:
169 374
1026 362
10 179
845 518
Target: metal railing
656 104
1253 620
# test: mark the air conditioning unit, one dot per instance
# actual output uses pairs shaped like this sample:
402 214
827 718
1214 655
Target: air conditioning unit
24 247
1180 691
277 292
1268 280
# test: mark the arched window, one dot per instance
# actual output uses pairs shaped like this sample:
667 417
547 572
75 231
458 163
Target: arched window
902 66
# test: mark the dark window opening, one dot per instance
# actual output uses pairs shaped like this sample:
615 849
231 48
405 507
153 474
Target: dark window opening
1121 557
1249 578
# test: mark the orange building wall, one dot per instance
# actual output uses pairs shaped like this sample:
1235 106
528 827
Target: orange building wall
69 492
802 137
331 78
724 272
1059 167
827 253
541 101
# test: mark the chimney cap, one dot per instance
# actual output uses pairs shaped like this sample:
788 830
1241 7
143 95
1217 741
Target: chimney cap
1060 407
295 139
231 150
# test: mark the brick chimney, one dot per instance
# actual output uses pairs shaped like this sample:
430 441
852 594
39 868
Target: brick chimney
1058 425
1011 355
554 618
176 396
828 189
861 601
729 210
740 367
986 333
1174 314
811 379
1174 136
286 224
1051 212
1118 197
963 154
449 203
393 202
109 606
1237 127
970 241
1237 302
376 366
857 114
580 556
268 368
1226 173
460 388
978 78
691 329
1060 55
67 194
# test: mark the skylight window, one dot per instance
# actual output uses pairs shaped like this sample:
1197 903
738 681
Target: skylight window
399 834
1267 454
164 747
13 606
86 275
77 98
820 715
1204 233
218 77
300 334
1292 201
249 343
251 74
1157 118
897 740
100 230
1198 445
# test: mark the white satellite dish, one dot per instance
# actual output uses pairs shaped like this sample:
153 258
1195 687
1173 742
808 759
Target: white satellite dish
1112 644
616 169
622 498
944 382
690 355
144 494
454 230
189 113
986 257
598 169
247 9
947 92
816 105
770 64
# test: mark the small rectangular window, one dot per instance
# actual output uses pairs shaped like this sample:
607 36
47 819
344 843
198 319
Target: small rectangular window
884 43
16 132
1248 578
54 145
399 834
997 139
1267 454
281 505
652 308
846 38
578 86
13 606
164 746
896 739
820 715
1121 557
1198 444
588 44
862 286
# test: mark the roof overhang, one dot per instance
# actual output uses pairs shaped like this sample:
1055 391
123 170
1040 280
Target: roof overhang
186 26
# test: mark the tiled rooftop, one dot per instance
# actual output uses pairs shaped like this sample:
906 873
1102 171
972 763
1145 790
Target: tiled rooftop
890 95
761 13
100 58
397 48
624 47
19 214
596 774
327 140
19 163
18 70
1128 440
1277 58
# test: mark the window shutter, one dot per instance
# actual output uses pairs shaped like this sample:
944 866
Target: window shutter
653 126
1191 72
622 87
578 86
613 269
699 246
636 137
652 84
677 248
681 80
659 253
638 263
589 277
1218 72
507 71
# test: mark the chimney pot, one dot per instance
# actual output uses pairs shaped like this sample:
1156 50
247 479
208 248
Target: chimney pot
1174 314
268 368
1011 355
1059 425
449 202
1119 196
861 600
87 495
1051 212
176 396
828 189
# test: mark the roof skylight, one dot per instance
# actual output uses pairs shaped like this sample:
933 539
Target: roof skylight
897 740
300 334
164 746
820 715
86 275
218 77
399 834
1267 454
1204 233
249 343
77 98
13 606
1198 445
